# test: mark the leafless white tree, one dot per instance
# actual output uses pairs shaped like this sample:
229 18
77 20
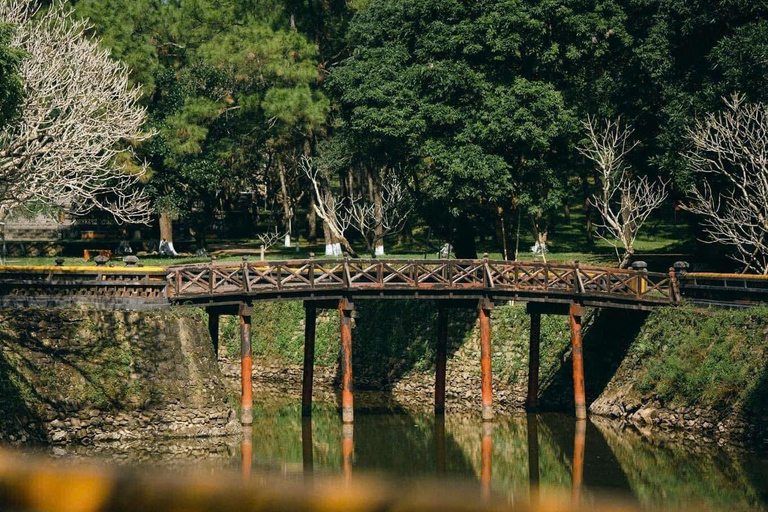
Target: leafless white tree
623 201
78 115
328 207
731 147
269 239
378 219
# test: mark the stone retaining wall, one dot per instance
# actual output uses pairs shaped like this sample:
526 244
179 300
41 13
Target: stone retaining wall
85 375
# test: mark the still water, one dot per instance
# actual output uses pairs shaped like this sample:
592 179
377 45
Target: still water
508 458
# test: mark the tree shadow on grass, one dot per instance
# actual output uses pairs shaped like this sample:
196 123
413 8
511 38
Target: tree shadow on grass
608 334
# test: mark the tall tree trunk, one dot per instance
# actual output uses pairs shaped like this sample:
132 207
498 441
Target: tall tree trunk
464 243
312 220
166 235
285 200
374 186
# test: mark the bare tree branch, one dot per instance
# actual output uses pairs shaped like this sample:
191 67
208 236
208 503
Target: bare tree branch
326 205
624 202
78 115
732 147
377 220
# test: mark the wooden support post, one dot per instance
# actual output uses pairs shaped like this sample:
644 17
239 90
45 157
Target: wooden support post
246 365
485 359
440 358
532 402
306 446
213 328
310 320
577 357
485 461
577 468
347 450
347 400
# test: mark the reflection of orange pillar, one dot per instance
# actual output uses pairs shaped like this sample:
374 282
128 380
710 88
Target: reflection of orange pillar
577 357
577 471
440 359
532 403
485 359
310 321
246 458
347 449
440 444
485 461
306 445
246 366
347 407
533 460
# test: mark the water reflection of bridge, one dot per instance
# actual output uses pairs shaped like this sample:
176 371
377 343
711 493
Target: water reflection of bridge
440 454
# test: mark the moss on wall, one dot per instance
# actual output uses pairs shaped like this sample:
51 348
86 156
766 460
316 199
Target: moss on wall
58 364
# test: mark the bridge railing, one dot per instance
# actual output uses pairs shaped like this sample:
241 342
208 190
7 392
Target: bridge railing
384 274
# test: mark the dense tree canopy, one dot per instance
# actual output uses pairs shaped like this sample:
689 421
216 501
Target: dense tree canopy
475 105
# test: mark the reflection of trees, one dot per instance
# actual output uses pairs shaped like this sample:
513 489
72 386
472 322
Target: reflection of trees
676 474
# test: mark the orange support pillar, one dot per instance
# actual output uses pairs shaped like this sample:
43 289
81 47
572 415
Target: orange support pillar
246 456
347 450
310 322
485 359
440 359
577 356
532 402
485 460
577 469
347 398
246 365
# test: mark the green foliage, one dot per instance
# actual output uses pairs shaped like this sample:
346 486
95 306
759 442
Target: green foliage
11 84
714 359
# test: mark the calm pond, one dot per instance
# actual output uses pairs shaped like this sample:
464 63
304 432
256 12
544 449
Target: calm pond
502 458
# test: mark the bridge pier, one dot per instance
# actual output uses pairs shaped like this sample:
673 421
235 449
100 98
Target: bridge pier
440 358
246 365
310 322
347 399
576 312
485 307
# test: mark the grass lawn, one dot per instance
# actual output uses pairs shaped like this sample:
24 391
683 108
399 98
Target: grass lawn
660 242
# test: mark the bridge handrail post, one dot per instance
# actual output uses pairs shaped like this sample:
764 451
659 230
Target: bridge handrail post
347 276
487 281
312 270
211 275
577 284
279 276
246 287
674 286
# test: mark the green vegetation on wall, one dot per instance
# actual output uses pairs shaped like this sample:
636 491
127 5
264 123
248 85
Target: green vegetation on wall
713 359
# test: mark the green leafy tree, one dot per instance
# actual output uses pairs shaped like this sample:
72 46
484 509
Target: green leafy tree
233 96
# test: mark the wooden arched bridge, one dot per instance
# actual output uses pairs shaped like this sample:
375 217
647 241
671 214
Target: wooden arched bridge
234 288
